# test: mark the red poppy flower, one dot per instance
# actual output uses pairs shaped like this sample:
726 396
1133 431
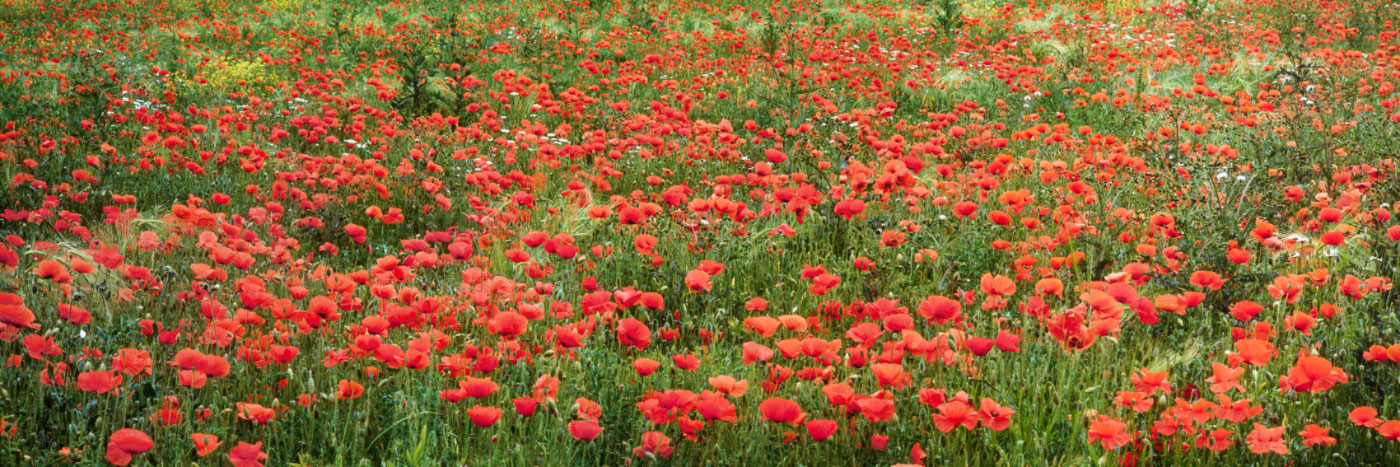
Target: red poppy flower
1207 279
585 430
633 333
994 416
255 413
940 309
205 444
1254 351
782 411
1390 429
954 413
1314 435
876 409
1264 440
100 382
74 314
1365 416
686 362
820 430
478 387
645 366
13 312
483 416
247 455
980 345
654 443
126 442
1109 432
53 271
917 454
698 281
525 406
879 442
349 390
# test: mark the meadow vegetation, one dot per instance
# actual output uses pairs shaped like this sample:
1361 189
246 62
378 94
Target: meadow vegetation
699 232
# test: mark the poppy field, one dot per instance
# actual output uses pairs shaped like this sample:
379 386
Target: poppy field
699 232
